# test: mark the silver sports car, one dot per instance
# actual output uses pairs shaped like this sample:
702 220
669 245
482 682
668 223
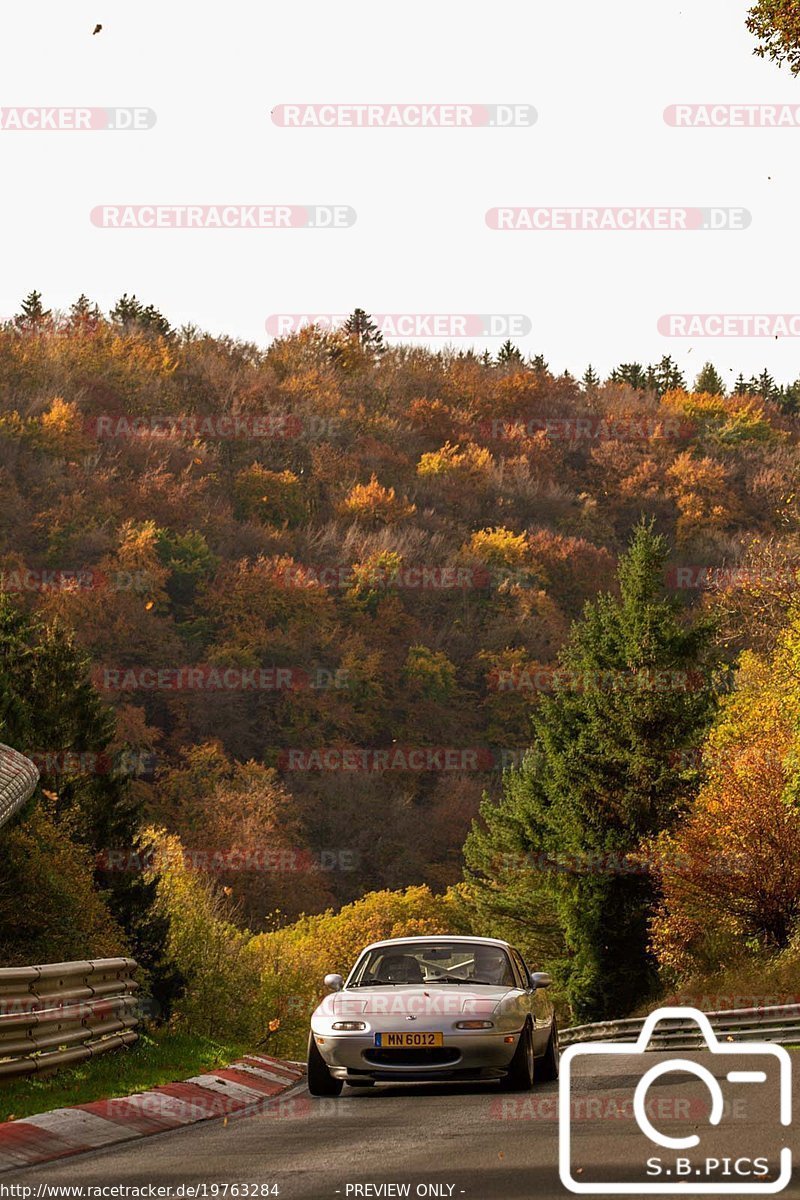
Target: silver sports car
430 1008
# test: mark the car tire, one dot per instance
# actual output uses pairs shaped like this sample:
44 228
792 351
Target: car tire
547 1066
319 1079
521 1067
360 1082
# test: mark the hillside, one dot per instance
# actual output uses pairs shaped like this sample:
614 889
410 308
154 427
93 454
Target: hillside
323 584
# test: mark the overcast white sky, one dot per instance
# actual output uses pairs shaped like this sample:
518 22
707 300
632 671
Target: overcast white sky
600 76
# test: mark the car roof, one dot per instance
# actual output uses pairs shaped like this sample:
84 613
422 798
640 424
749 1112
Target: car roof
441 937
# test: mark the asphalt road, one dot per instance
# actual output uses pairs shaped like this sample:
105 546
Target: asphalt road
474 1142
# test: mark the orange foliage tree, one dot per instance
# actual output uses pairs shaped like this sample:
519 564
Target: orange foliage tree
730 873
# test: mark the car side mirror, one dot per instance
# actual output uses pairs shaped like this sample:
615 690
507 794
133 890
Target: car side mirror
334 983
540 979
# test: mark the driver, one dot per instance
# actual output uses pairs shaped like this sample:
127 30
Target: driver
491 965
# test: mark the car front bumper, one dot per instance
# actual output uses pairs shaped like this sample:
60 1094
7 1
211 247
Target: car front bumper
474 1055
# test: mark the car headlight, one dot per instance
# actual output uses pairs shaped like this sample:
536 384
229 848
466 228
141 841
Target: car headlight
349 1025
474 1024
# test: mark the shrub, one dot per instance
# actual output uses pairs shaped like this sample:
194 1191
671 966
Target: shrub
294 960
210 951
273 497
49 910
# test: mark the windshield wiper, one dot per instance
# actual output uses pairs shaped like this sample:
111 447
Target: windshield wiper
375 983
451 979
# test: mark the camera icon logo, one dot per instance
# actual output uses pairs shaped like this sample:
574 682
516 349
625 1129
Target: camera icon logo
679 1162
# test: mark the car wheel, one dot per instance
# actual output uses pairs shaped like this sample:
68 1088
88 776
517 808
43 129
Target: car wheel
320 1081
360 1082
520 1069
547 1067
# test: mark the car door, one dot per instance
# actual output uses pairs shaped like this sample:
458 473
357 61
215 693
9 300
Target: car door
540 1007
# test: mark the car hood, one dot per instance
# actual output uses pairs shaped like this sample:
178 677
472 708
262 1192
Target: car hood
415 999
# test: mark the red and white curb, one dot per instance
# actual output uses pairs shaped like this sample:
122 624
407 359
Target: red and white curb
242 1088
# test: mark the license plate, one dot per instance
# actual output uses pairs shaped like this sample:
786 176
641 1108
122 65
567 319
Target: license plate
406 1041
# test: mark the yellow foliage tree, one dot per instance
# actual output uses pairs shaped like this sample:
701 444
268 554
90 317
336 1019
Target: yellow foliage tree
727 419
375 504
451 462
499 547
60 428
700 489
294 960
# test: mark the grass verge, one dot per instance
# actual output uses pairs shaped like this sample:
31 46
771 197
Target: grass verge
156 1058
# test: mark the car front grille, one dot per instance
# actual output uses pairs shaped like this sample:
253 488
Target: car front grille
435 1056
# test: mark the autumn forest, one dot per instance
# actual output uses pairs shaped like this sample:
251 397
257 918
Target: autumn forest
340 623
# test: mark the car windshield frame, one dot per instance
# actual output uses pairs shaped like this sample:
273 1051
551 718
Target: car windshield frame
362 975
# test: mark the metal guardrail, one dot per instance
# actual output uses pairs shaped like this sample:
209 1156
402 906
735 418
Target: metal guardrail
18 778
56 1015
779 1024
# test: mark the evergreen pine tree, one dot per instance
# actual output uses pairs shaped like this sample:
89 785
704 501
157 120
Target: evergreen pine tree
631 373
361 327
49 705
32 316
788 398
709 380
668 375
763 385
83 314
590 379
602 775
651 382
135 317
741 387
508 355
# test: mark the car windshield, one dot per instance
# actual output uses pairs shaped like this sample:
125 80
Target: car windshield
432 962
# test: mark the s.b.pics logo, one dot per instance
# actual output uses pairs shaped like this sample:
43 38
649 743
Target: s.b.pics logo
713 1121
